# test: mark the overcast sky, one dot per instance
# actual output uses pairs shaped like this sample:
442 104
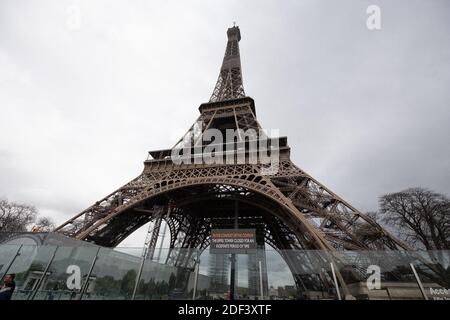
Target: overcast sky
365 112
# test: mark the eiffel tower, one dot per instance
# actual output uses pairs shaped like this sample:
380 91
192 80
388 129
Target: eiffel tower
289 209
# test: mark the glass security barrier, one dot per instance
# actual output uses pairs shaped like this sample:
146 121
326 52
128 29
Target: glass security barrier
90 272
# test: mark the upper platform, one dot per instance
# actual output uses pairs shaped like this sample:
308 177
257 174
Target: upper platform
227 103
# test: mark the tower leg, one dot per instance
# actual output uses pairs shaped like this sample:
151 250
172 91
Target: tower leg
152 235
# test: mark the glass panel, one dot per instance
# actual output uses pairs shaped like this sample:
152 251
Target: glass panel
7 254
156 281
114 274
29 268
205 289
433 269
67 274
280 280
385 275
312 274
162 280
246 276
214 276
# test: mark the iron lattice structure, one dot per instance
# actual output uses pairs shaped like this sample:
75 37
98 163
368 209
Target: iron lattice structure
229 84
289 209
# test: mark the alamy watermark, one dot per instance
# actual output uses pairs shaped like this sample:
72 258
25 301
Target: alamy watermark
374 280
74 278
229 146
440 293
373 21
73 17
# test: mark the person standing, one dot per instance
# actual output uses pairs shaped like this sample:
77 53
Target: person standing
7 289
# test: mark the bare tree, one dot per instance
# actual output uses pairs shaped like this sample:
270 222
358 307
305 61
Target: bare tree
45 224
16 217
419 216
